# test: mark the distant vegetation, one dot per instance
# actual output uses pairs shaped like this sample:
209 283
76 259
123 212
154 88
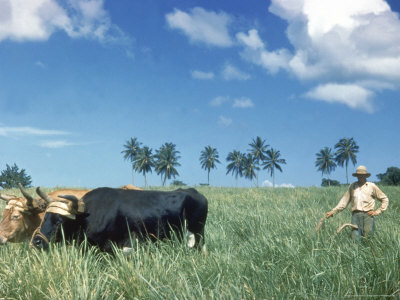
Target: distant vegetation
12 175
390 177
329 182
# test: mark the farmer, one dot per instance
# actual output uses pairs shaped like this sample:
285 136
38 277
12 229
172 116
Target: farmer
361 195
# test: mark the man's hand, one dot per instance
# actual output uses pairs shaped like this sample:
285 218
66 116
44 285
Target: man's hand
329 214
372 213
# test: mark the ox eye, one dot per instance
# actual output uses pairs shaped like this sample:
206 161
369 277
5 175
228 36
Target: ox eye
15 217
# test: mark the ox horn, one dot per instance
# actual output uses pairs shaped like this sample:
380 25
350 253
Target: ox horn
6 197
43 195
28 197
72 198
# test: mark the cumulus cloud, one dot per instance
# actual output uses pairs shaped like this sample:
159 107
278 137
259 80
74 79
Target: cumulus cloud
230 72
267 183
243 103
202 75
351 95
256 52
37 20
202 26
347 44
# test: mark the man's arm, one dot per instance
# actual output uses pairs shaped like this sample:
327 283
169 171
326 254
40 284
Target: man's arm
380 196
341 205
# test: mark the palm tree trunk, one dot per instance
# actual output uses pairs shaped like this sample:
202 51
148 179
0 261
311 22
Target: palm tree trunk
208 177
273 178
145 180
347 175
133 179
257 178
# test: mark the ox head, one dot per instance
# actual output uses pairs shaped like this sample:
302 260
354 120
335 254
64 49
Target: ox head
57 213
21 216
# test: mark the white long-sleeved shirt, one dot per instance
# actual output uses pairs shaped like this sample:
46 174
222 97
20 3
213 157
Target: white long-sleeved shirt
363 198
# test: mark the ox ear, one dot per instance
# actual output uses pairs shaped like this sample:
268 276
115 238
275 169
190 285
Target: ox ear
44 196
28 197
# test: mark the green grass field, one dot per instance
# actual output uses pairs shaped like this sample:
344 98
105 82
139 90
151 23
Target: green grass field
261 244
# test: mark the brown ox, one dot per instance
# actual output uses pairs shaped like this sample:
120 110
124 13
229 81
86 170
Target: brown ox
131 187
22 215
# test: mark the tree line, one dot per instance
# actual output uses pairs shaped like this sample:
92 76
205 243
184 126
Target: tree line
165 160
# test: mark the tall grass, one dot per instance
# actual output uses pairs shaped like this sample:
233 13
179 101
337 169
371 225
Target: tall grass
261 244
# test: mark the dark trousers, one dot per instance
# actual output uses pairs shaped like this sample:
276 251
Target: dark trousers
365 223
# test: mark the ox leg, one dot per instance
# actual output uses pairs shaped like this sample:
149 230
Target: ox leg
191 239
199 238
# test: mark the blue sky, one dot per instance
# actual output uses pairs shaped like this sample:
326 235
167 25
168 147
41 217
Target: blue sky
80 77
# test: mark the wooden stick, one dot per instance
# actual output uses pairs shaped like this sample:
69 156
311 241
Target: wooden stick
319 225
346 224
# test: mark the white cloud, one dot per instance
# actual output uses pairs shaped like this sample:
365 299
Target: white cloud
232 73
252 40
37 20
351 95
267 183
29 131
218 101
243 103
255 52
56 144
202 75
334 42
224 121
202 26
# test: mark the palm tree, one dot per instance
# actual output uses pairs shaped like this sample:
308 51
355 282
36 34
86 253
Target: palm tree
346 150
236 164
130 151
144 162
208 158
258 149
325 161
272 162
250 167
167 161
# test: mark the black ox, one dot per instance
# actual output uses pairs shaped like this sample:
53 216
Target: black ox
116 215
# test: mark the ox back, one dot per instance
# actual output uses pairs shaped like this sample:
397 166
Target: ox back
116 215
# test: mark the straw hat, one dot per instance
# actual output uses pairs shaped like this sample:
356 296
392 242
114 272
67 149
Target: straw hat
361 170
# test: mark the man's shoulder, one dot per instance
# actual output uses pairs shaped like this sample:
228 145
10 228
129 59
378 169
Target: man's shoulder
353 185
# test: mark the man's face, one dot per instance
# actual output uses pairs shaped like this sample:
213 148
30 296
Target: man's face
362 179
